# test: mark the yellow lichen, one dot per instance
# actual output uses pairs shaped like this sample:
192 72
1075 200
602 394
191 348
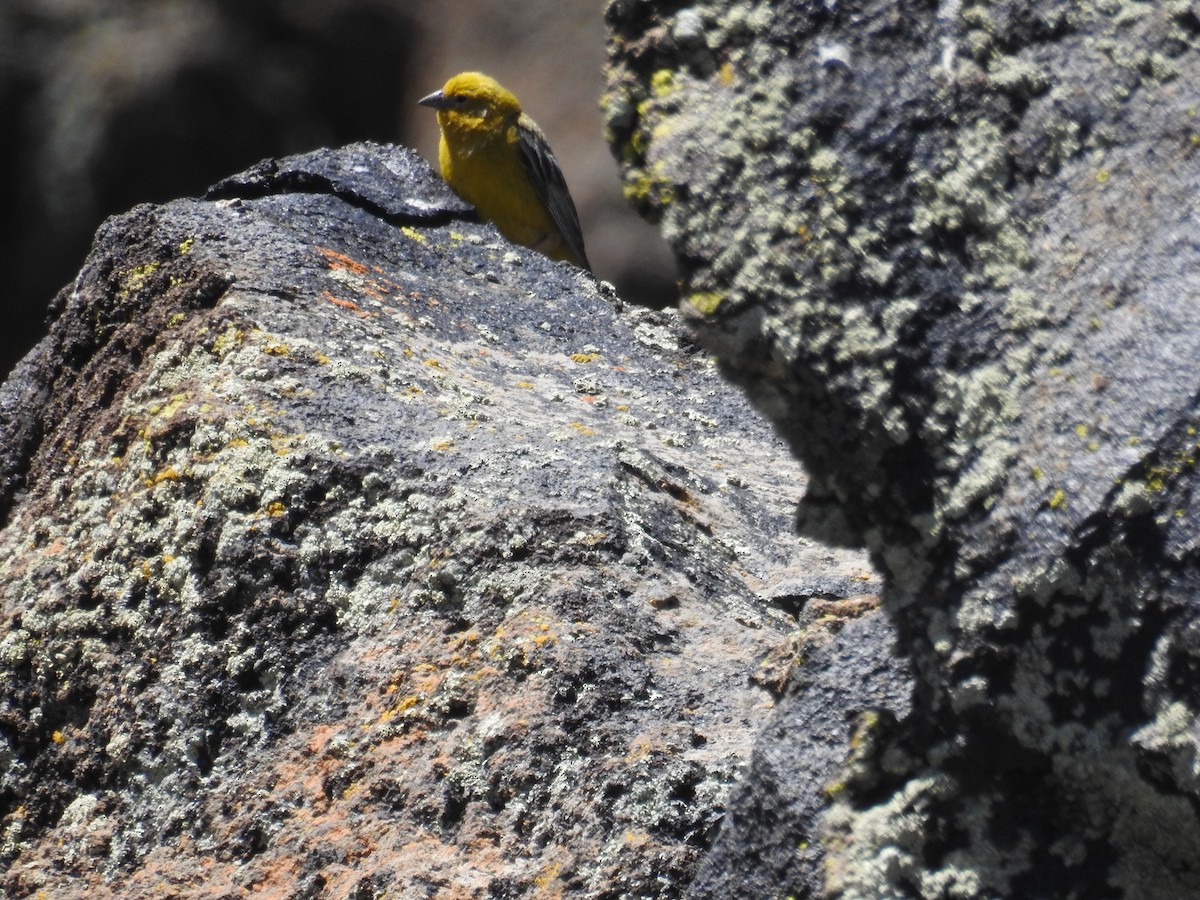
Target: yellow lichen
705 302
547 876
642 187
662 83
136 277
168 474
227 340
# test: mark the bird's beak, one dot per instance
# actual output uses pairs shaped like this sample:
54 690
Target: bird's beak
437 100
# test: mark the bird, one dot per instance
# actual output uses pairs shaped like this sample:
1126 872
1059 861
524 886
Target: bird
497 159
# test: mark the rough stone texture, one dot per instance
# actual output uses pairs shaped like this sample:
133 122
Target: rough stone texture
846 687
951 249
352 552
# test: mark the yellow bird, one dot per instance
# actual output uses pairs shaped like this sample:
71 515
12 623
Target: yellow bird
497 159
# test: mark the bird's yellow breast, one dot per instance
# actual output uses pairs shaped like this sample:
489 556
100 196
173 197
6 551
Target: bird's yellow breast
485 170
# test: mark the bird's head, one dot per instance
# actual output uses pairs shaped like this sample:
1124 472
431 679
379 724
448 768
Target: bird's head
472 101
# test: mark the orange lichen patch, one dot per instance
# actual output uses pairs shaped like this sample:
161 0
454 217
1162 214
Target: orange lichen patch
521 639
276 878
368 280
426 678
336 794
494 699
348 304
429 302
337 260
177 871
320 737
338 301
465 640
54 548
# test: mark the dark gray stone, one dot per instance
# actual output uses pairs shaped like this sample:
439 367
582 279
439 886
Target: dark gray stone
950 249
352 551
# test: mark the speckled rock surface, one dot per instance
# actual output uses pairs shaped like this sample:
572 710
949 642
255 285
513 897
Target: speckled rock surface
951 249
352 552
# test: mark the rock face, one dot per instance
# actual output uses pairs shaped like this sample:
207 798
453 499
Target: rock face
951 249
352 552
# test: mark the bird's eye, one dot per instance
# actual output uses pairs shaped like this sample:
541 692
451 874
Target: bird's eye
460 99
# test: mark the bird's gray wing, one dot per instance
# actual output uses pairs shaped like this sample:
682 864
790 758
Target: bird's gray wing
547 179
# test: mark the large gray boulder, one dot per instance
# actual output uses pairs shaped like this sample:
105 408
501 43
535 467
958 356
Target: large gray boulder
350 551
951 250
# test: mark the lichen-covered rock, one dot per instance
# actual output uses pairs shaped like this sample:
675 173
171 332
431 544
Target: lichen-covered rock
950 250
352 552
